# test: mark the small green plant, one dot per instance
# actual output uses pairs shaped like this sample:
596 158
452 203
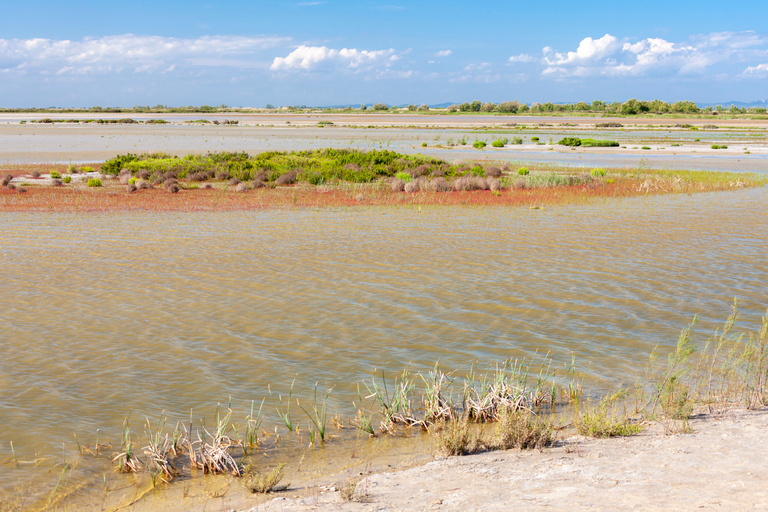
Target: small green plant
318 415
94 182
66 179
423 144
517 140
284 409
404 176
534 139
132 181
497 143
85 169
718 146
645 147
479 144
523 171
71 169
55 174
597 172
602 421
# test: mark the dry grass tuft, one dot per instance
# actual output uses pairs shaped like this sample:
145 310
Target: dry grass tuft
456 437
258 482
521 429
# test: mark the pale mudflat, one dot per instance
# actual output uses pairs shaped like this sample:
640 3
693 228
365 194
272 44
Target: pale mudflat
720 466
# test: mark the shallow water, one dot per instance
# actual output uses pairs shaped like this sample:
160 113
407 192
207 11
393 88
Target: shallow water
65 143
109 314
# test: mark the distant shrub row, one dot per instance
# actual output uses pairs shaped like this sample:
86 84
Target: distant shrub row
588 143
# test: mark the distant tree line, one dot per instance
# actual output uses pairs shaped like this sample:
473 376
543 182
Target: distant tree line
629 107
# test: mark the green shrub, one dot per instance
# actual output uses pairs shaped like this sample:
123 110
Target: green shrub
380 106
517 140
423 144
404 176
597 172
498 143
523 171
478 170
85 169
94 182
592 143
588 143
645 147
534 139
71 169
570 141
66 179
718 146
479 144
132 181
55 174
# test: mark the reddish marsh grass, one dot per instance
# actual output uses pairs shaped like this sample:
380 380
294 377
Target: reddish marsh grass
114 197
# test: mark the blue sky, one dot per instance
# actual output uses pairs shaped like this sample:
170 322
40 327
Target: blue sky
250 53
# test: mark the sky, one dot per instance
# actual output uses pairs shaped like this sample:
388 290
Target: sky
84 53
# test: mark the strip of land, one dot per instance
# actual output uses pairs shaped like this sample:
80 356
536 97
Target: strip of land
720 466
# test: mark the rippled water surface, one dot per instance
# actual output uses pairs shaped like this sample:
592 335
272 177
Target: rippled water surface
107 314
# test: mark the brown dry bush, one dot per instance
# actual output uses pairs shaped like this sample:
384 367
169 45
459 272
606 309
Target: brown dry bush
130 188
438 173
233 181
397 185
439 184
143 175
173 188
35 174
287 178
6 180
493 172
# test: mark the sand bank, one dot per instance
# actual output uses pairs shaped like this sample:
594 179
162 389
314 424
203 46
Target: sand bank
721 465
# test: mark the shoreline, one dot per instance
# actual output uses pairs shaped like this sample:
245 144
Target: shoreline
719 465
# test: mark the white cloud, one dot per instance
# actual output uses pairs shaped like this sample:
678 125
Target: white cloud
589 50
523 57
312 57
444 53
608 56
111 54
760 69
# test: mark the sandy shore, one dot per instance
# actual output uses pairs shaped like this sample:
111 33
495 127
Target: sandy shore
721 465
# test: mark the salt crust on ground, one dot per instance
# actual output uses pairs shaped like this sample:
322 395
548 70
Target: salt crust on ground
722 465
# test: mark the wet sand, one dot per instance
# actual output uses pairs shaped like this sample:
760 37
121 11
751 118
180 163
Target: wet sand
721 465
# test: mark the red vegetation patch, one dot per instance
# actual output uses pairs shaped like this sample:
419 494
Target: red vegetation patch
116 198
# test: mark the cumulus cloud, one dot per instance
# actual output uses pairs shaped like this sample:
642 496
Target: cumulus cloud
523 57
609 56
444 53
130 52
308 58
